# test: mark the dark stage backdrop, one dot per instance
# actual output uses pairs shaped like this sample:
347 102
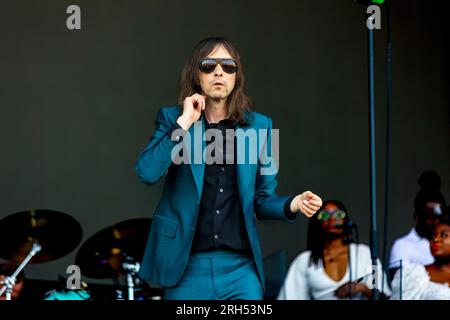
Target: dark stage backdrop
78 106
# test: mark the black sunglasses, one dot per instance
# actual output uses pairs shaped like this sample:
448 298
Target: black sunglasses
208 65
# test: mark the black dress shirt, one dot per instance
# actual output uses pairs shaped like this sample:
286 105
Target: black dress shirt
220 222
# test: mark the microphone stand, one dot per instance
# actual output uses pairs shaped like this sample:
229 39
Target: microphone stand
350 270
10 281
373 183
348 240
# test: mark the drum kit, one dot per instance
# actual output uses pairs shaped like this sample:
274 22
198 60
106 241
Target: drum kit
38 236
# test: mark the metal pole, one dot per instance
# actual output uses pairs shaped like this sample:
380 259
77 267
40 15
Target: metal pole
373 181
11 280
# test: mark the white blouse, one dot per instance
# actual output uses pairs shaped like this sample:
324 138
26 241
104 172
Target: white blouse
305 281
415 284
411 248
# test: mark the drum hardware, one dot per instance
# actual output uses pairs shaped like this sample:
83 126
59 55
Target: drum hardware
36 236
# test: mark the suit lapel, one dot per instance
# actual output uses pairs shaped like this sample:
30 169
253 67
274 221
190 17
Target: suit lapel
243 171
197 148
197 165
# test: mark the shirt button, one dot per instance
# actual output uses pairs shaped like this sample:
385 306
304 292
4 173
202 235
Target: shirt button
217 211
216 236
221 190
222 168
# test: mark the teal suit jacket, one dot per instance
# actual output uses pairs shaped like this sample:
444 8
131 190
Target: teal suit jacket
174 220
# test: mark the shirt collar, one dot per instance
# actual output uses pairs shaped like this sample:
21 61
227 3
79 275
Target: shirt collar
224 122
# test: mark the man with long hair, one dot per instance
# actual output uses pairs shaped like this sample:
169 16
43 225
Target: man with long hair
203 243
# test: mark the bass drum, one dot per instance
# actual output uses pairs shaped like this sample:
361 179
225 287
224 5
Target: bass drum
67 295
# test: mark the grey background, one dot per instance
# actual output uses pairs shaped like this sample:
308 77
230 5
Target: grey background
78 106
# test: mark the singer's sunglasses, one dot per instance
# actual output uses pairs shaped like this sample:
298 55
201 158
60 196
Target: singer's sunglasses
208 65
325 215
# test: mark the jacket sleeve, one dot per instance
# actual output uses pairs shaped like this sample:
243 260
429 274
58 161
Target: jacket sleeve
154 161
267 204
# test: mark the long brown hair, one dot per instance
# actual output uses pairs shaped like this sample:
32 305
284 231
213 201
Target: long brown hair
239 104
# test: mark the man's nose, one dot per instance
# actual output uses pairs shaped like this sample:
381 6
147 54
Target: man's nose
218 71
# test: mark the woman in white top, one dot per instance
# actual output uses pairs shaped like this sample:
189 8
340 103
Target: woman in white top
321 272
416 282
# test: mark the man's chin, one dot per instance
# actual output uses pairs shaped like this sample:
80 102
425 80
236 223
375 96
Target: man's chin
218 96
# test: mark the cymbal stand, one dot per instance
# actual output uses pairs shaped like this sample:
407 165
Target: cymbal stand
10 281
132 269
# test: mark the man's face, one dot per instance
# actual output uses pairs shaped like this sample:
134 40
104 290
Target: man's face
217 84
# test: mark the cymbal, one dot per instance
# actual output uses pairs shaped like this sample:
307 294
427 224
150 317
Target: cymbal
102 256
57 233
